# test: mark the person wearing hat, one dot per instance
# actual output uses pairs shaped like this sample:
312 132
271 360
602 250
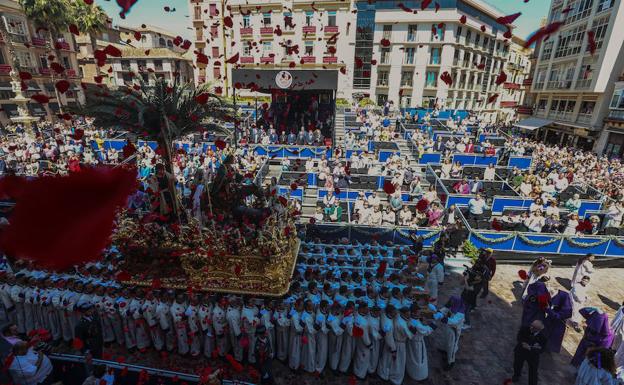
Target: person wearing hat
263 352
89 331
435 278
389 352
363 341
336 334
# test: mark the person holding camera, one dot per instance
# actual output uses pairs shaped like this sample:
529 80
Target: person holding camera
30 366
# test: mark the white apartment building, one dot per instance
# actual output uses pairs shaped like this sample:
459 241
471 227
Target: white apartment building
572 86
614 122
381 51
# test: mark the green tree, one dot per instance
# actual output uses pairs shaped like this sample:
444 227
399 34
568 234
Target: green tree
54 16
90 19
158 110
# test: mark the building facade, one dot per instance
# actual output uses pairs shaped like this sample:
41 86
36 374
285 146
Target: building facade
24 48
153 52
292 35
614 122
574 77
382 51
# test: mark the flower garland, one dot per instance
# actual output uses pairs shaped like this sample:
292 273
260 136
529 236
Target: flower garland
424 237
532 242
295 150
494 240
584 245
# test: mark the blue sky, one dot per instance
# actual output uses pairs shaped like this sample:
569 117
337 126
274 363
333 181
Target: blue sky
178 22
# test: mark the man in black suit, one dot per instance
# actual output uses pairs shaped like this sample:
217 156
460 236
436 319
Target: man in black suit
531 343
89 331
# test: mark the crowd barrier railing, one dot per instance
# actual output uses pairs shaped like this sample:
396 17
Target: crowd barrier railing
364 233
287 151
541 243
520 162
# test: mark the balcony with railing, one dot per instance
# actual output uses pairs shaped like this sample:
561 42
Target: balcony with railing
309 29
5 69
583 84
330 29
39 41
308 59
511 86
616 115
267 59
246 60
527 82
584 118
560 84
525 110
330 59
44 71
62 44
246 31
266 30
561 115
508 104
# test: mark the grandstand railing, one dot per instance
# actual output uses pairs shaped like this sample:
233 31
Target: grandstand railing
365 233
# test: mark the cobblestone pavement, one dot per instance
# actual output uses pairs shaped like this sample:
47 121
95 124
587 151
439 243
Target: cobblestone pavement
486 351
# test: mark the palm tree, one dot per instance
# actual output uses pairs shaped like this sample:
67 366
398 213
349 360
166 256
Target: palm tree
54 16
157 110
91 19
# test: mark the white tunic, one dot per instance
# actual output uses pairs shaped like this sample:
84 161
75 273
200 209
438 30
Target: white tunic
348 344
308 350
233 316
376 340
402 335
143 339
451 332
194 330
205 320
249 322
435 277
334 339
180 327
389 349
417 365
321 341
296 331
281 335
617 326
219 323
361 360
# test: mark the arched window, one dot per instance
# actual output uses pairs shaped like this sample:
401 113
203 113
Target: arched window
162 42
169 43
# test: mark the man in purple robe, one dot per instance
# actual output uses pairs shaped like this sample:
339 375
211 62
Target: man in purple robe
535 303
597 334
557 314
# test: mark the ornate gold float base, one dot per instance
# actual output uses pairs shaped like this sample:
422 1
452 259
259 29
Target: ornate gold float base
236 274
